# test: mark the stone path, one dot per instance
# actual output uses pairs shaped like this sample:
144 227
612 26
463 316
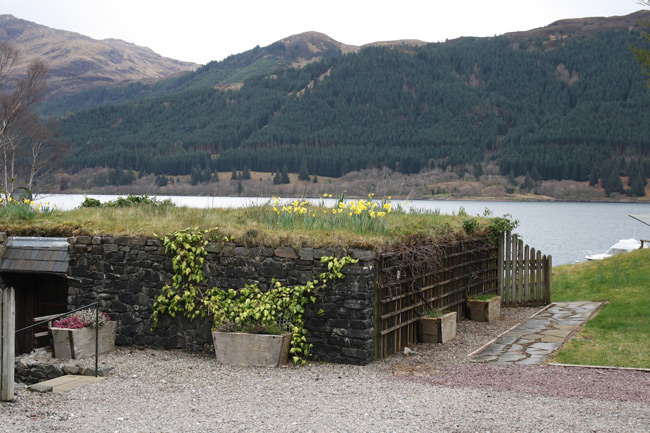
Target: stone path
533 341
64 383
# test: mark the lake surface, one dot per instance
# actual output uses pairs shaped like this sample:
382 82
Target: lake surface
562 229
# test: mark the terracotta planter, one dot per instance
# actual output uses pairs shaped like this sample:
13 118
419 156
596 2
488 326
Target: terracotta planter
80 343
263 350
437 329
484 311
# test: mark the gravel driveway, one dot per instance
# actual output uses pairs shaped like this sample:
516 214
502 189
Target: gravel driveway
435 391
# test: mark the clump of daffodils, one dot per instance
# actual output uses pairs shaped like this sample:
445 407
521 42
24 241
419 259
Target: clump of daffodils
298 208
359 215
23 208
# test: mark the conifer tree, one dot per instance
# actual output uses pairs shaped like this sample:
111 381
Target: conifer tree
246 173
195 177
614 184
285 175
528 183
303 173
637 188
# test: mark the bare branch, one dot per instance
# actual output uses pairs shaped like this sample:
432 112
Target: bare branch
20 129
8 57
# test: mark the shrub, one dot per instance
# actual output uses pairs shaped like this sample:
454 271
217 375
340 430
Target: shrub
128 201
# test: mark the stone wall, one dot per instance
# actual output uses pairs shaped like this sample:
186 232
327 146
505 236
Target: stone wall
39 366
125 275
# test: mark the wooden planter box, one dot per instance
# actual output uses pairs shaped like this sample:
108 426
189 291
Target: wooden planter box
80 343
484 311
263 350
437 329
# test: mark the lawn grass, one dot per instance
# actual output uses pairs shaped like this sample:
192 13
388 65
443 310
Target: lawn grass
253 225
619 335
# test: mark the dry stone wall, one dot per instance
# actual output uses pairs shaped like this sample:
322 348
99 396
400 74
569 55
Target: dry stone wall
125 275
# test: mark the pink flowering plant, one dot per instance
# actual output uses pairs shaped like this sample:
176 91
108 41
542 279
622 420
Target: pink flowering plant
82 319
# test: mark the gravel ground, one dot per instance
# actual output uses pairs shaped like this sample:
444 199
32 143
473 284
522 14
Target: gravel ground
438 390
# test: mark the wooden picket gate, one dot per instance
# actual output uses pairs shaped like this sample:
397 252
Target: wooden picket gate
7 343
525 276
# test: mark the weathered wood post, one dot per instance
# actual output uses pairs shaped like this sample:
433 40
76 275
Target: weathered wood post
548 278
7 343
500 257
508 266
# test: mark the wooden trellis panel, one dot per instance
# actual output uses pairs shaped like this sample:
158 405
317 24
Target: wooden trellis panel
428 276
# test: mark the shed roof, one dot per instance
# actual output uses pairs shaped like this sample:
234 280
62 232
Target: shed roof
31 254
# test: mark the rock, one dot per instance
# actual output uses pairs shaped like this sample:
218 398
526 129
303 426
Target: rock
408 352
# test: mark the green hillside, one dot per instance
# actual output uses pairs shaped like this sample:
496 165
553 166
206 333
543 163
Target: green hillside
233 70
554 114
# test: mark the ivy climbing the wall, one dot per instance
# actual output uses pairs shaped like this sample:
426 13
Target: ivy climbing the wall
237 310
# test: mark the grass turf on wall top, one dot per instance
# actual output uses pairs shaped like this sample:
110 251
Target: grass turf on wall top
365 223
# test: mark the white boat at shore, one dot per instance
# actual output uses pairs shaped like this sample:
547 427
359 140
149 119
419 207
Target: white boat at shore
622 246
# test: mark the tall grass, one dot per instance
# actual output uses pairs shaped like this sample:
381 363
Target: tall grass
619 334
315 226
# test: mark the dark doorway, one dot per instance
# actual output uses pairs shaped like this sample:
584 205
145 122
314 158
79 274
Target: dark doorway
37 295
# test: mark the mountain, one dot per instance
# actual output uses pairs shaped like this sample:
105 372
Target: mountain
566 101
563 31
77 62
560 110
295 51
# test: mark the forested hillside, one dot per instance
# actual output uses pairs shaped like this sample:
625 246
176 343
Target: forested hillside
228 73
551 113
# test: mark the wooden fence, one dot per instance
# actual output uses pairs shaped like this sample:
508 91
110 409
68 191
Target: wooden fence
443 276
428 276
524 274
7 343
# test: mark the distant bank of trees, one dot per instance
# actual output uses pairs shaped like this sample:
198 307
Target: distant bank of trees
546 114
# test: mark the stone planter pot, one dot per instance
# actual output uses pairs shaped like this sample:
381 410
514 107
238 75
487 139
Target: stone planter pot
263 350
437 329
484 311
80 343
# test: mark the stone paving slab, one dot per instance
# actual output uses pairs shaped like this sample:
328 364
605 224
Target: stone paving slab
64 383
534 340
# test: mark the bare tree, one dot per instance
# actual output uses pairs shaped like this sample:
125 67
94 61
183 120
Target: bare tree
643 54
20 129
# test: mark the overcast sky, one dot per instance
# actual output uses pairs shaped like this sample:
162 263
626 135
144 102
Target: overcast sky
205 30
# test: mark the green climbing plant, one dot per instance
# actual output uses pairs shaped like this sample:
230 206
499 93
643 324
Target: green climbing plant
247 308
187 250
